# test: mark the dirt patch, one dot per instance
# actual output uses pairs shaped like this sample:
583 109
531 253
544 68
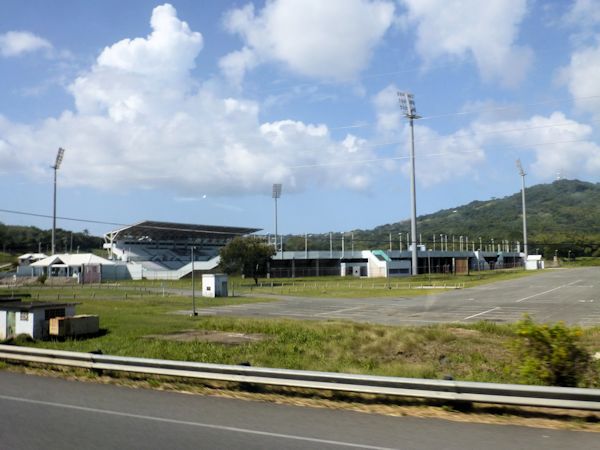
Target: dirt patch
464 332
218 337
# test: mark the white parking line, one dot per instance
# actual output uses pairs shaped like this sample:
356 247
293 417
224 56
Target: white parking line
482 313
190 423
545 292
337 311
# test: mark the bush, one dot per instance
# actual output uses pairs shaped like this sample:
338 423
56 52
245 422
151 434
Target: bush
551 354
42 278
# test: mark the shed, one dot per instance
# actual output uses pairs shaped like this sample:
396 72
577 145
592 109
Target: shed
214 285
30 318
534 262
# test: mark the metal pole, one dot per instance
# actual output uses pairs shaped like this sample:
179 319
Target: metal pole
413 201
343 249
524 215
194 313
352 243
54 212
305 245
276 231
330 245
390 242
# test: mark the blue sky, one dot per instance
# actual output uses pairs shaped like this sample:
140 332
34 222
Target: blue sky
190 111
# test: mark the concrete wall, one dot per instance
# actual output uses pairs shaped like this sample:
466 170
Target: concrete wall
25 326
2 325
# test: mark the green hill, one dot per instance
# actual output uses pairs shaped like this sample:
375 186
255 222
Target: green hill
563 216
16 239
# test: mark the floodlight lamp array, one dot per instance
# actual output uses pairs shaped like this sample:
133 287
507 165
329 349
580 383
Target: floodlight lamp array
407 104
59 157
520 167
277 190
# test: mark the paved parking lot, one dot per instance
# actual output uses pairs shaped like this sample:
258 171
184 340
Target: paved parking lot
570 295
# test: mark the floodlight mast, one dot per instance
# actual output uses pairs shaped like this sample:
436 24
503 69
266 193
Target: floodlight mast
59 157
522 173
276 195
407 105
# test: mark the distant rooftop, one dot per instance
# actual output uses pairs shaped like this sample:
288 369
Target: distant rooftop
28 306
160 231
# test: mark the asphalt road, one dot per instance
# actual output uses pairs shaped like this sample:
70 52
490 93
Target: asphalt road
570 295
47 413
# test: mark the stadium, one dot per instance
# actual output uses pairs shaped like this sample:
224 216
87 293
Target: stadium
163 250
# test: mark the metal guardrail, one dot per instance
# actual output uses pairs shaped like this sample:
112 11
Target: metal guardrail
462 391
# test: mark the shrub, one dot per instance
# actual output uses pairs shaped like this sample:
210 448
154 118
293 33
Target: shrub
42 278
551 354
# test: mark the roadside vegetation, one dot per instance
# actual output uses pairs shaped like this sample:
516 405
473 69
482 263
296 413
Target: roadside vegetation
580 262
150 325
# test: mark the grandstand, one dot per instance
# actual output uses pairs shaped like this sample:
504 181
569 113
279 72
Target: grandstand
163 250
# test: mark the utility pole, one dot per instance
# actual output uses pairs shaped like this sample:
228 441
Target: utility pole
407 105
522 173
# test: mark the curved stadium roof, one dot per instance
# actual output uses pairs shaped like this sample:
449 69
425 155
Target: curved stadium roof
177 231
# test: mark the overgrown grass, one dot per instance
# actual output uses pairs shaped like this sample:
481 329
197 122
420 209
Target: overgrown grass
581 262
478 352
349 287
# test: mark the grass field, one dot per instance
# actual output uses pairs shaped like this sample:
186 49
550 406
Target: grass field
349 287
477 352
581 262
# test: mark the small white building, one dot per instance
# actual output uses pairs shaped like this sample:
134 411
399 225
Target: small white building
214 285
534 262
29 258
30 318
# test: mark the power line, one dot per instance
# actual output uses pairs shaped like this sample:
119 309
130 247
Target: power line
149 227
425 155
24 213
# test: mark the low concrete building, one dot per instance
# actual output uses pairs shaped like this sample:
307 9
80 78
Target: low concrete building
385 263
534 262
214 285
30 318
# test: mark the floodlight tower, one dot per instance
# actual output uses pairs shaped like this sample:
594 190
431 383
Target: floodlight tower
522 173
276 195
407 105
59 157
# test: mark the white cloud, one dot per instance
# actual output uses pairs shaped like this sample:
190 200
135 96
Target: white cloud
439 158
330 39
558 144
581 77
584 13
486 31
142 121
442 158
15 43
